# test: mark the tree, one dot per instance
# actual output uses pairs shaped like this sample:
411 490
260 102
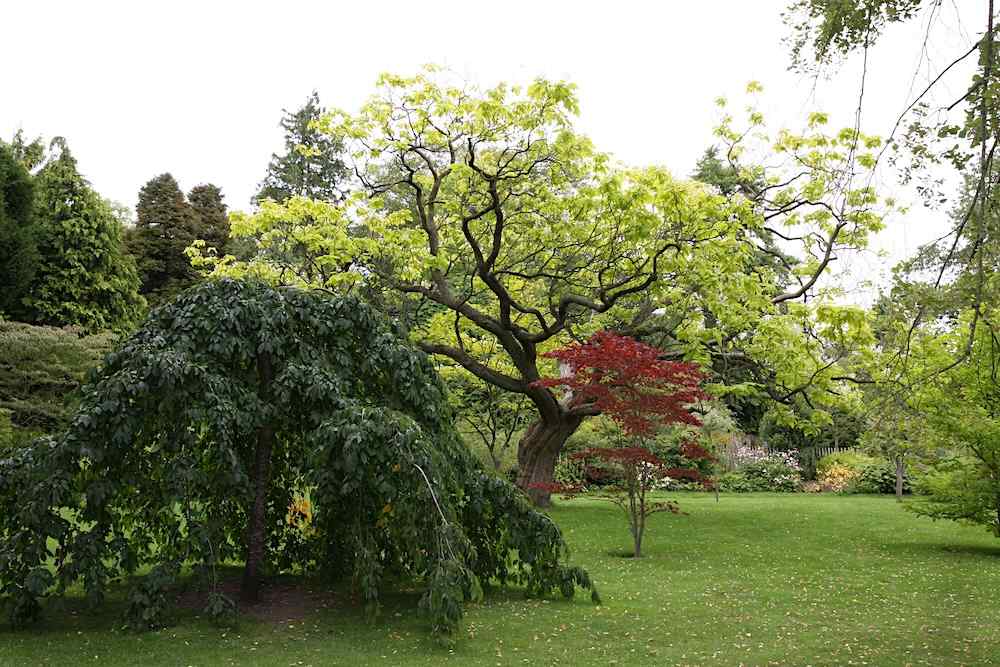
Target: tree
165 227
211 219
824 31
628 381
194 437
312 165
31 154
726 174
483 214
933 130
637 473
17 232
896 432
962 408
85 277
494 416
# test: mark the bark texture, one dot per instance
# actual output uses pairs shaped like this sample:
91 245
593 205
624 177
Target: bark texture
538 451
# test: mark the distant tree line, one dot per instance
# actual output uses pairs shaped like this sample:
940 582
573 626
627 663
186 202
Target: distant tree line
77 268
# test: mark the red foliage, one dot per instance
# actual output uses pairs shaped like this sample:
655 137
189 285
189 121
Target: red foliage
691 474
695 452
628 381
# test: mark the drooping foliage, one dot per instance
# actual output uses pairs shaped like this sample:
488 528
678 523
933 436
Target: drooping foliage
18 251
502 231
85 277
198 433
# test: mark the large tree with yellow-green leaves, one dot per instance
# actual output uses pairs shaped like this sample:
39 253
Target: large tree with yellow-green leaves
499 232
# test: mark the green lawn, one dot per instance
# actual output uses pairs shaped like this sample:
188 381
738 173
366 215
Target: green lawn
757 580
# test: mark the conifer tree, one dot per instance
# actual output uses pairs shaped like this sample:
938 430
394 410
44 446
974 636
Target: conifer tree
31 154
311 165
165 226
85 277
18 254
211 216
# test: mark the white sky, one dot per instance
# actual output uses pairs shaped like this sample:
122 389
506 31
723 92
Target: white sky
197 88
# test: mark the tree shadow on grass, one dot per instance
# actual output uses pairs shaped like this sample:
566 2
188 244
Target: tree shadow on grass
983 551
285 598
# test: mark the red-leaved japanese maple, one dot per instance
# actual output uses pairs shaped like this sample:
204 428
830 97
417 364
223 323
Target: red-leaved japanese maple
629 382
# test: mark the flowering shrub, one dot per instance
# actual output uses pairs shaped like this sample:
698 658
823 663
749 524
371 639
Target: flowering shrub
757 469
854 472
836 477
773 476
744 455
846 459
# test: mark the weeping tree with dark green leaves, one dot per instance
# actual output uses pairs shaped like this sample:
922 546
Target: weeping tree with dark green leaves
194 438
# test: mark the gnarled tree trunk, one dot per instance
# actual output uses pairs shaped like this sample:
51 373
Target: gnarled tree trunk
538 451
257 514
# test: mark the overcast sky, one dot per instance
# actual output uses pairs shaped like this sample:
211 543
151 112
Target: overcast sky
196 88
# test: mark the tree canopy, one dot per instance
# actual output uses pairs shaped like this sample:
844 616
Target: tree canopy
211 215
166 224
487 219
933 369
312 164
195 436
17 232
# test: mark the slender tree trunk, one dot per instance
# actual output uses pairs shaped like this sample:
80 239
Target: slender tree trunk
900 471
537 453
640 528
257 516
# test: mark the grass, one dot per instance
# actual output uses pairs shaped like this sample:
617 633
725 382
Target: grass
759 579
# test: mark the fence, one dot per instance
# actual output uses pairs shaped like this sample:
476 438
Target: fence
808 456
